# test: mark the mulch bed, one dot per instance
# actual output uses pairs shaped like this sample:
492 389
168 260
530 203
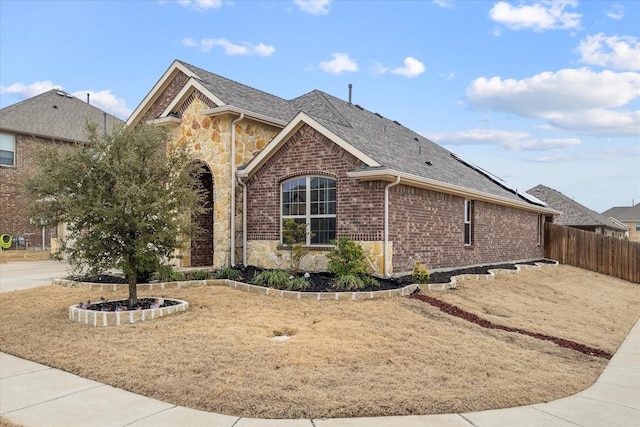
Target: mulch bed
122 305
322 282
470 317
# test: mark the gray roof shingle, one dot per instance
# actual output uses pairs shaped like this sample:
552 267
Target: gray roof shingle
54 114
388 142
624 213
573 213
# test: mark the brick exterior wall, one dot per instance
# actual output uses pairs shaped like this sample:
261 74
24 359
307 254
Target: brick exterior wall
423 224
429 226
202 244
166 97
13 205
359 204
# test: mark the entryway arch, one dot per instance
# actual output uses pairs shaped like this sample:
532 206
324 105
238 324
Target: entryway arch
202 244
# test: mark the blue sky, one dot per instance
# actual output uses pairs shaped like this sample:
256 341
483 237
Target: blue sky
536 92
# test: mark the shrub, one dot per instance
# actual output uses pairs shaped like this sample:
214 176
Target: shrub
347 258
227 273
277 279
166 273
420 273
298 284
294 236
199 275
349 282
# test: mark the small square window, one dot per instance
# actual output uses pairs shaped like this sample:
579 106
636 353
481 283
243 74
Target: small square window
7 149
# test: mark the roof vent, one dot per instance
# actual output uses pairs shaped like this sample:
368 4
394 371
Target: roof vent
358 106
60 93
416 139
428 163
378 114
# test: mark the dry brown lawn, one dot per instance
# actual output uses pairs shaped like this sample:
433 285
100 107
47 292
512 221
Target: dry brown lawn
22 255
6 423
344 358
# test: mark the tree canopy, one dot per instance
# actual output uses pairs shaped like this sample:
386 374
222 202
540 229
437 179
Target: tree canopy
126 199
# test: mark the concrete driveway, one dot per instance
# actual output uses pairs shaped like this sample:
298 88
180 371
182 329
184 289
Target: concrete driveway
24 275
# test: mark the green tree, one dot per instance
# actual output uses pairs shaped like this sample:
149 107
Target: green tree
125 198
294 236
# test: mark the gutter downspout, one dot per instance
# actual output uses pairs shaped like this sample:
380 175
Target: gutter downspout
232 181
386 223
244 221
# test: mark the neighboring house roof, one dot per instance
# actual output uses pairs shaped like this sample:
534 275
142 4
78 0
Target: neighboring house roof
54 114
573 213
387 148
624 213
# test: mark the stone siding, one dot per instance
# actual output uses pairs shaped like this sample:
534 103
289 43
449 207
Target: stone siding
209 139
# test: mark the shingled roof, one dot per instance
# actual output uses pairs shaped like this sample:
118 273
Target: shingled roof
573 213
393 147
624 213
54 114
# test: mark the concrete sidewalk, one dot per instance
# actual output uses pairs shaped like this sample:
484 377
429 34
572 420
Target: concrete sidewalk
35 395
23 275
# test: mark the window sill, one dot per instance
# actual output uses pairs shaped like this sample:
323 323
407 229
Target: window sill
310 248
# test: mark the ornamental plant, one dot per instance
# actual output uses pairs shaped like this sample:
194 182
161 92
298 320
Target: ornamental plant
420 273
348 261
294 236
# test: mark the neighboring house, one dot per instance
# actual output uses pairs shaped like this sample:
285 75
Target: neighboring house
54 117
629 216
575 215
345 171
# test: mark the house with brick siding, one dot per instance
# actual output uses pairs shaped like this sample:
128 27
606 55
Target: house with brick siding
342 170
53 117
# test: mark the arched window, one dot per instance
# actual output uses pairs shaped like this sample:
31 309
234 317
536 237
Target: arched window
311 200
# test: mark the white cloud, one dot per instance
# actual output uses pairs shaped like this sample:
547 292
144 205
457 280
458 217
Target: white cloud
314 7
340 62
28 91
201 5
616 11
412 68
507 139
231 49
619 52
539 16
565 99
106 101
444 3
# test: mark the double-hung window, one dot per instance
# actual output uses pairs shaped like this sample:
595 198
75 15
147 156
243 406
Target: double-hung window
7 149
468 237
311 200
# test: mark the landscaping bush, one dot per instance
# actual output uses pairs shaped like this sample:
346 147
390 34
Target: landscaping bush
277 279
227 273
348 282
420 273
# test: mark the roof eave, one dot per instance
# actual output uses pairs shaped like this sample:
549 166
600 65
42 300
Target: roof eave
231 109
443 187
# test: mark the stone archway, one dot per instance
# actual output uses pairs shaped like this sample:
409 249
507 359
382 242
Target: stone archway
202 244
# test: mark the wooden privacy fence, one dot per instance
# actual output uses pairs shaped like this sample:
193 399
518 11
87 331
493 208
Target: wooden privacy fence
591 251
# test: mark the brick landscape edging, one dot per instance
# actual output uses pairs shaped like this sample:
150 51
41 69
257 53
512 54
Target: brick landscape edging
489 276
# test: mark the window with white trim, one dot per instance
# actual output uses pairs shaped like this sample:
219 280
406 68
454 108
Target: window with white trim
311 200
7 149
468 238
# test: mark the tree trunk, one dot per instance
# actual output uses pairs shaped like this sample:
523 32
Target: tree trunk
133 290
